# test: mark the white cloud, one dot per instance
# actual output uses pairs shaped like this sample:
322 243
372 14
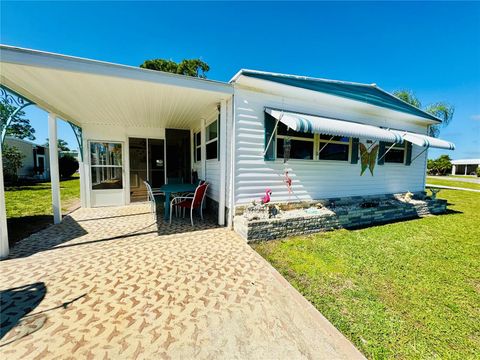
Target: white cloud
475 117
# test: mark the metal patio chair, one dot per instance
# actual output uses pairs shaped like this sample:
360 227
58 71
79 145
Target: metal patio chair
190 202
151 199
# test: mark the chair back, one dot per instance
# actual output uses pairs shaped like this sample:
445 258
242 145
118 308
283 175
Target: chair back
149 191
151 199
199 195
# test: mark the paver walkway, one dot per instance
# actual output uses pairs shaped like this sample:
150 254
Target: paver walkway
107 283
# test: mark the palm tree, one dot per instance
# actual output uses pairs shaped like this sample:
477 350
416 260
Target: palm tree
441 110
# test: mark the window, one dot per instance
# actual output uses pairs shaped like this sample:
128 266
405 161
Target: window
106 165
333 148
308 146
211 142
301 144
197 141
396 154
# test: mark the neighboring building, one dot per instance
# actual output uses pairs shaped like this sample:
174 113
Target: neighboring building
36 160
465 166
140 124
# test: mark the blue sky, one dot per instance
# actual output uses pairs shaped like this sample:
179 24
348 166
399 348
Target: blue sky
430 48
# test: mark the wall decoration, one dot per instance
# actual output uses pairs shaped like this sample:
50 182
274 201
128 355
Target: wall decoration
368 159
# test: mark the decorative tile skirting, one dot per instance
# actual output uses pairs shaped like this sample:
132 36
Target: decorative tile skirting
341 213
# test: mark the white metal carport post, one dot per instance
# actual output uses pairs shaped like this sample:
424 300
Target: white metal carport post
223 162
3 215
54 172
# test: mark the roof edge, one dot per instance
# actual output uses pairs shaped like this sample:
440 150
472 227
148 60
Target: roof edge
4 49
246 72
30 142
293 76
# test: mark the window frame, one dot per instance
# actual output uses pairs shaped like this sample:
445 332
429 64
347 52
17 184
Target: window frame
402 147
316 147
322 141
121 143
283 137
197 146
207 142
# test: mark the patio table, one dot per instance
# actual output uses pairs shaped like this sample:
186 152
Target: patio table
174 188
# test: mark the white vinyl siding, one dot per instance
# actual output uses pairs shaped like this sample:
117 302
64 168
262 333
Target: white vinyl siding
312 179
213 178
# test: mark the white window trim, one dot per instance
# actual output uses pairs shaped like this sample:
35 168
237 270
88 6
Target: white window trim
197 146
211 140
106 166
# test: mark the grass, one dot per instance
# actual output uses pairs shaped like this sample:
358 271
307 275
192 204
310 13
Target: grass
29 206
407 290
461 184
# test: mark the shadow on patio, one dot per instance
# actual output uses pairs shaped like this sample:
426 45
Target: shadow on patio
98 225
16 303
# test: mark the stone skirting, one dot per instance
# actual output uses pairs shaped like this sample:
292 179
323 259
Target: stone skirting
342 213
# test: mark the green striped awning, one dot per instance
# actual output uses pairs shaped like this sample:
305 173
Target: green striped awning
333 127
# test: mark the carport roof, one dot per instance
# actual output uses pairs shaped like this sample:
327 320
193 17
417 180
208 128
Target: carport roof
85 91
466 162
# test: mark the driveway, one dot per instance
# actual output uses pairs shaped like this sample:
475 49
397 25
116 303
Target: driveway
110 283
467 179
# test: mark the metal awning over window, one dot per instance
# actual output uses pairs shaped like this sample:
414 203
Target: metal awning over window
424 140
333 127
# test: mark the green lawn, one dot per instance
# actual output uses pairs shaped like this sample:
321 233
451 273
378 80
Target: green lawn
29 207
454 183
407 290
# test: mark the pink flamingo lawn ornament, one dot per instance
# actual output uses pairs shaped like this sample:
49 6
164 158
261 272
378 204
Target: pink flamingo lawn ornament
266 198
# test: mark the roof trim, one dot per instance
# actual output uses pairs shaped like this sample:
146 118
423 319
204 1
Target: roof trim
25 141
413 110
30 57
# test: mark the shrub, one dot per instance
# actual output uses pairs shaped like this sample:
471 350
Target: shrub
12 161
67 166
478 171
440 166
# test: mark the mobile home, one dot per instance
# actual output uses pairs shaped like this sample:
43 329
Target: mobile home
303 138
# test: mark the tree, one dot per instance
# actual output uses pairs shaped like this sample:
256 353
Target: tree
441 110
440 166
189 67
61 144
67 165
19 126
12 159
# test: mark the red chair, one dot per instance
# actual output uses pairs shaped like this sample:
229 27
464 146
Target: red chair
190 202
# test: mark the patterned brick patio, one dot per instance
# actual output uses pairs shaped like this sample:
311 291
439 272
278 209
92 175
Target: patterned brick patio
110 283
